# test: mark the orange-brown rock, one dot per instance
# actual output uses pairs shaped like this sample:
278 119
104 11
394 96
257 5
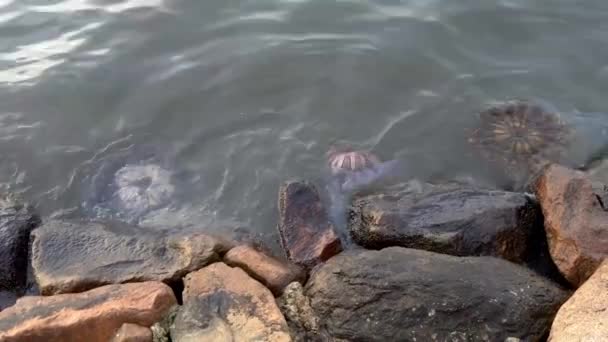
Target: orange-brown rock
575 221
306 232
92 316
584 317
273 273
222 303
129 332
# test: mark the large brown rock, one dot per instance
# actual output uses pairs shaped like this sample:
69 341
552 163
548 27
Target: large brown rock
273 273
413 295
584 317
449 219
91 316
16 222
222 303
306 232
575 221
74 256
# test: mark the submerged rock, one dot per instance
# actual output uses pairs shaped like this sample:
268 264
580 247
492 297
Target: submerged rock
17 220
222 303
271 272
576 222
74 256
306 232
91 316
448 219
584 317
408 294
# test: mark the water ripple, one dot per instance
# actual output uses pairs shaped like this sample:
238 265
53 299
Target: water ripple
34 59
249 93
68 6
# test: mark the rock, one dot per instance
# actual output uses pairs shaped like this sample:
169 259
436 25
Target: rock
447 219
539 259
133 333
91 316
222 303
306 233
575 222
584 317
271 272
599 171
72 256
301 319
415 295
16 222
161 331
244 236
7 299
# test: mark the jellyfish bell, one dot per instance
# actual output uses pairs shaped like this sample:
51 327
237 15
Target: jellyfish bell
521 136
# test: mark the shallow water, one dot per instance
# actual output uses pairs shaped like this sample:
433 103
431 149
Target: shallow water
237 96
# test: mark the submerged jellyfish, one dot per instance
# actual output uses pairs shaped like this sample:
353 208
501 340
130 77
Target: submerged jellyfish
351 171
142 188
125 181
521 137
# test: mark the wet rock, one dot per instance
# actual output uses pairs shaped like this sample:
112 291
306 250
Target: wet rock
271 272
91 316
306 232
72 256
446 219
539 259
301 319
575 222
129 332
161 331
584 317
244 236
222 303
408 294
7 299
598 172
16 222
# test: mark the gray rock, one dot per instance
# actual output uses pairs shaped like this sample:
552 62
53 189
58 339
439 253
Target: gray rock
73 256
16 222
401 294
448 219
300 317
7 299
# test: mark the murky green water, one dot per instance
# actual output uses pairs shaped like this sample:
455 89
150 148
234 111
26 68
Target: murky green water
238 96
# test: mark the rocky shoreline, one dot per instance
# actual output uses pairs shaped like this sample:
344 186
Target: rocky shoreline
432 262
